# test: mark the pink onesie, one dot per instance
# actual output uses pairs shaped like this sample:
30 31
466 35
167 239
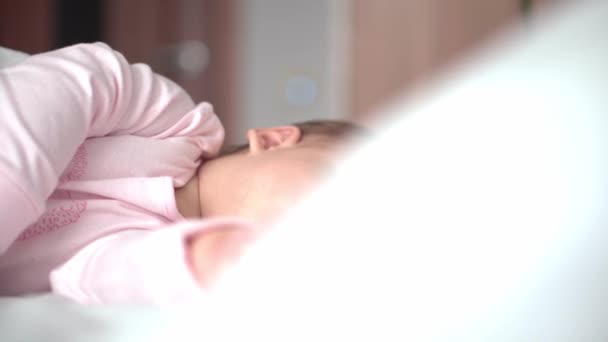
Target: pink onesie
91 150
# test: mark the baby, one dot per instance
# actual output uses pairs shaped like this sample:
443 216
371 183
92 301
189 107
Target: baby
112 189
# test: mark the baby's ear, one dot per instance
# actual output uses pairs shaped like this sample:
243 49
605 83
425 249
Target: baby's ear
264 139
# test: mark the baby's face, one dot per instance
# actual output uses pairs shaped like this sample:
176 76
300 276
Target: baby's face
280 178
261 186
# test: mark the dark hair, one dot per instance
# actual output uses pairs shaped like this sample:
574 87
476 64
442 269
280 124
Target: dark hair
331 128
334 129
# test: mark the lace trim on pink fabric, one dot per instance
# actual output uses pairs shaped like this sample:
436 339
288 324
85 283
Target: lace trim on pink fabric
55 218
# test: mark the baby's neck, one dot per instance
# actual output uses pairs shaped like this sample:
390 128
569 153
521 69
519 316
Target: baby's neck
187 199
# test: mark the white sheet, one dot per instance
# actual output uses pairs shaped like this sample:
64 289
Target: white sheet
50 318
10 57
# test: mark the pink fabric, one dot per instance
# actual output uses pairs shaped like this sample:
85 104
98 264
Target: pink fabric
92 149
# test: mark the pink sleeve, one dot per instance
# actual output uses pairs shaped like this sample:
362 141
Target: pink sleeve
135 266
52 102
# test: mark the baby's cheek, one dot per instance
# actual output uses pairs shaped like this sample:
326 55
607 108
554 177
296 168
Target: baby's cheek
212 252
276 206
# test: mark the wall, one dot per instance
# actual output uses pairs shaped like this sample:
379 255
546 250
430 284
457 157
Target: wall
286 61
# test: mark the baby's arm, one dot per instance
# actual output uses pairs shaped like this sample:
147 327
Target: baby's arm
52 102
169 266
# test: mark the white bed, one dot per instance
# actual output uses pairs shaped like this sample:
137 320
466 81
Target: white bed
477 215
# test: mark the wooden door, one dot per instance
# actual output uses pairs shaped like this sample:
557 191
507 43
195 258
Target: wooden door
397 45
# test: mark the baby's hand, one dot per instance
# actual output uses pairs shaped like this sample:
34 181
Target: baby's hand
210 252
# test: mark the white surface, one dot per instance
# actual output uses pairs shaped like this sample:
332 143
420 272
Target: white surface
10 57
50 318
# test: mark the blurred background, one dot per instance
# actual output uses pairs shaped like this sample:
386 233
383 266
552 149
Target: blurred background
266 62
